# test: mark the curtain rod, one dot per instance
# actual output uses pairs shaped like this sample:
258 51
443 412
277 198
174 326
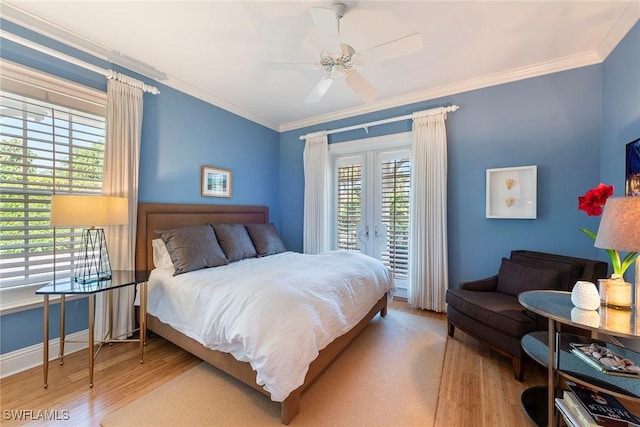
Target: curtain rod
366 126
109 74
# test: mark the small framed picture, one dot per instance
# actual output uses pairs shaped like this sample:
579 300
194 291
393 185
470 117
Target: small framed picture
511 192
216 182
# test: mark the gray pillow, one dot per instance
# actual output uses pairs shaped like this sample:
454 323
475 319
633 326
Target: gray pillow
514 278
265 239
235 241
193 248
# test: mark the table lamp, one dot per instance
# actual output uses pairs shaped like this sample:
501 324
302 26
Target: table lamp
72 210
620 229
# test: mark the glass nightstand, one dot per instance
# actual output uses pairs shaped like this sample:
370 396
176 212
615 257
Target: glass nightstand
64 287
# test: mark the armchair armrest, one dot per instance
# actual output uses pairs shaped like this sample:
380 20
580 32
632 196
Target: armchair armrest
484 285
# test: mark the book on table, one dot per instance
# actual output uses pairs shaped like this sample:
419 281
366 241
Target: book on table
583 418
603 408
569 417
605 360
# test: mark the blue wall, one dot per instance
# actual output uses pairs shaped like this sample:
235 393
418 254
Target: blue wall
620 111
179 134
620 108
551 121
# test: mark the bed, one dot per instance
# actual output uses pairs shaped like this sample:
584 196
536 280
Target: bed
153 217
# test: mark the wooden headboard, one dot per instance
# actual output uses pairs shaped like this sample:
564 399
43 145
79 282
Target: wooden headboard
157 216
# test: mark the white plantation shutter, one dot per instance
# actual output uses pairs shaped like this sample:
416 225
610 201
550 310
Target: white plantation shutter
348 201
395 184
45 147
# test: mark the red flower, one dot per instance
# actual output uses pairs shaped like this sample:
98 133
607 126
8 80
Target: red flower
594 199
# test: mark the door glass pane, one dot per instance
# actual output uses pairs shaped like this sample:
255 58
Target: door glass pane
395 185
349 206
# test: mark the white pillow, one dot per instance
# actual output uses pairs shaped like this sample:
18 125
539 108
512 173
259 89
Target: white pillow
161 257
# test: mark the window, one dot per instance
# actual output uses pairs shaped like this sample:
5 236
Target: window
52 136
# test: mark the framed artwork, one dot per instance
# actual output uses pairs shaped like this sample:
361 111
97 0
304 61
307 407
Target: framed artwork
632 180
511 192
216 182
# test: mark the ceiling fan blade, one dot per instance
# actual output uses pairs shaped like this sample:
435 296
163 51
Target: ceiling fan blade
361 86
393 49
327 24
274 65
321 88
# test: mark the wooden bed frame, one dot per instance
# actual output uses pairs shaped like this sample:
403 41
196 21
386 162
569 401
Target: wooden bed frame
152 217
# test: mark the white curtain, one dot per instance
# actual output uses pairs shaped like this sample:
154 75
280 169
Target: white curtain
121 165
316 194
429 277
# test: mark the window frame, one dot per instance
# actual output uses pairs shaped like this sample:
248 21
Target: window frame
36 84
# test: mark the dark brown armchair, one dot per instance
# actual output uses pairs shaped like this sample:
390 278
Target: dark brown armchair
489 310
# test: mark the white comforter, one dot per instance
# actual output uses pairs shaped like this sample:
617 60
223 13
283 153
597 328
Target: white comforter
275 312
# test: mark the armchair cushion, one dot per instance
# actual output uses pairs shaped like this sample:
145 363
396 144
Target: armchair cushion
514 278
493 310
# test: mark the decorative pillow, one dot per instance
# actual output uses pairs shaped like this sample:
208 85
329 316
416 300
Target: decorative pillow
193 248
161 257
235 241
570 272
514 278
265 239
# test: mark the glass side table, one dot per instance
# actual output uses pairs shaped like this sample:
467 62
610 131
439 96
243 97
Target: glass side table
551 349
64 287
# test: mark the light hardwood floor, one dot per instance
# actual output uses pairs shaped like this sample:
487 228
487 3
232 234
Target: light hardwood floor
477 386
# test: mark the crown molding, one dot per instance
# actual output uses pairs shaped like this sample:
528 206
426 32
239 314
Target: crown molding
203 95
31 22
627 19
536 70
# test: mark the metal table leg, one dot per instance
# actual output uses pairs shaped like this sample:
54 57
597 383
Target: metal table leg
45 340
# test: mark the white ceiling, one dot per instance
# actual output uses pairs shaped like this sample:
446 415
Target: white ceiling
212 49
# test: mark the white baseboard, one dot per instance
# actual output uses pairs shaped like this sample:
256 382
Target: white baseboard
29 357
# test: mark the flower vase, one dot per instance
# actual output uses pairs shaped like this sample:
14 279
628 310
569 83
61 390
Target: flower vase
615 292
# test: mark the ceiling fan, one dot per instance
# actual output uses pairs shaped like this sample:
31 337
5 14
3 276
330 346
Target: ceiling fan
339 59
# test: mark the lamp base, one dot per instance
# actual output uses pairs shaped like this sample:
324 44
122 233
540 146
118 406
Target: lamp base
92 264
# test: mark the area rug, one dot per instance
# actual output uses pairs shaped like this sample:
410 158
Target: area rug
388 376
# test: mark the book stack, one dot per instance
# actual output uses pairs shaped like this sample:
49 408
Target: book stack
582 406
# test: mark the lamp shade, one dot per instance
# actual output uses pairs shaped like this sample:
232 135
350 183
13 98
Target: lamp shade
620 225
71 210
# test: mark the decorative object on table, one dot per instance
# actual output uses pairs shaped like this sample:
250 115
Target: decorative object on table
586 317
585 295
601 406
72 210
605 360
215 182
619 231
511 192
615 292
632 182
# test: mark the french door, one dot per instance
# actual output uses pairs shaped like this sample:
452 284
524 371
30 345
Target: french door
371 207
